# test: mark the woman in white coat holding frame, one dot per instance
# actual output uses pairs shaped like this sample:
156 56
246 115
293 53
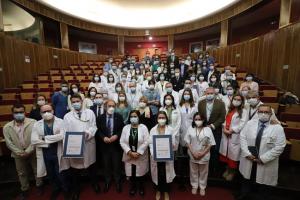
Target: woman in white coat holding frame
134 142
162 173
235 121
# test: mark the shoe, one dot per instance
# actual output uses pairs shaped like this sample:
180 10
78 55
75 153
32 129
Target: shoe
230 176
194 191
106 187
167 196
142 191
75 196
23 195
119 187
132 191
40 190
202 192
96 187
225 174
54 194
157 196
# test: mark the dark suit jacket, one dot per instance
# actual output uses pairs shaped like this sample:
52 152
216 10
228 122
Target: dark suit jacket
177 84
217 116
185 69
94 109
104 132
176 61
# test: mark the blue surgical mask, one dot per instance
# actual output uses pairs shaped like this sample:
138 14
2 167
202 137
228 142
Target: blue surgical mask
98 101
76 105
186 97
169 90
19 116
210 97
133 89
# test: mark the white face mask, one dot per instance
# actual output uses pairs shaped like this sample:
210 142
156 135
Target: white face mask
198 123
122 98
142 104
253 101
96 78
236 103
134 120
161 122
168 102
41 102
213 79
98 101
75 90
110 110
118 89
263 117
64 89
187 85
111 79
47 116
244 93
92 94
151 87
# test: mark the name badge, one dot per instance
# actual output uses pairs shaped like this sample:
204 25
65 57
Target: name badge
133 148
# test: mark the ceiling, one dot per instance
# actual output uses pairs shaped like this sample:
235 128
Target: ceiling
15 18
139 13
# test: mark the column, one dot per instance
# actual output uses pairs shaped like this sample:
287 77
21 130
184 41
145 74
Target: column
64 36
224 33
1 19
170 42
121 44
285 13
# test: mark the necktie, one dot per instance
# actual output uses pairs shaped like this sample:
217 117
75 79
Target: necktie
109 125
79 115
258 137
99 111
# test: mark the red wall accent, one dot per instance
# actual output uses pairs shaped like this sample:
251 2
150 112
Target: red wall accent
130 47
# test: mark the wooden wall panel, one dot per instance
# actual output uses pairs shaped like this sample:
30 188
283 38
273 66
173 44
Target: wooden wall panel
15 70
266 55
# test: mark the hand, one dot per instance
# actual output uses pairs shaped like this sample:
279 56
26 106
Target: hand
87 136
135 155
200 154
258 161
113 138
106 140
24 154
251 157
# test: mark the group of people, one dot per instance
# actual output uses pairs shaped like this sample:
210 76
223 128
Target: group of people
212 121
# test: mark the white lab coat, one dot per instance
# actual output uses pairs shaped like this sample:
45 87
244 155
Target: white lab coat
175 123
160 87
100 86
57 137
199 143
170 172
174 94
230 146
202 86
254 111
133 99
70 107
227 101
186 121
87 124
142 164
272 145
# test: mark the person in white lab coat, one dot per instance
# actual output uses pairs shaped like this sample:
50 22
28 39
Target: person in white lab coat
75 89
133 96
199 139
174 116
161 84
188 84
97 83
134 142
47 137
82 120
235 121
169 90
162 173
262 142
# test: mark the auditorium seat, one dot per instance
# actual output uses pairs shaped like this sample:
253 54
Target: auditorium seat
10 94
66 71
73 66
5 109
83 67
275 106
88 71
54 71
93 66
56 77
241 75
41 85
43 77
270 93
295 149
81 77
56 85
294 108
28 94
28 85
77 71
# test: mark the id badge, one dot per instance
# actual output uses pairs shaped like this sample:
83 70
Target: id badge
133 149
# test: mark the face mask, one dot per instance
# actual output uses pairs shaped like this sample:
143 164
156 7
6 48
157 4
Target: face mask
124 78
134 120
118 89
186 97
47 116
110 60
92 94
96 78
227 71
177 74
161 122
142 104
172 54
111 79
76 106
19 116
193 78
155 75
114 67
204 68
210 97
110 110
263 117
253 101
187 85
151 87
122 98
149 78
137 72
172 65
75 90
169 90
98 101
41 102
198 123
213 79
64 89
105 95
133 89
236 103
244 93
201 78
229 78
168 102
230 92
133 80
162 78
249 78
217 90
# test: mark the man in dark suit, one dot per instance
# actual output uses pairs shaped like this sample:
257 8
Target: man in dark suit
212 70
110 125
177 81
173 59
214 111
183 68
98 107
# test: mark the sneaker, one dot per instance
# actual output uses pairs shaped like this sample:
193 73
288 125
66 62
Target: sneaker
202 192
194 191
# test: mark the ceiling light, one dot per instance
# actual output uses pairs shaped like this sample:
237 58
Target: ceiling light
150 38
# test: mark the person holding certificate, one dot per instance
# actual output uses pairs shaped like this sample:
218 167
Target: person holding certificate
134 142
199 140
82 120
162 172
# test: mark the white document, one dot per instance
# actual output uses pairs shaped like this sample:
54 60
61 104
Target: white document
74 146
163 148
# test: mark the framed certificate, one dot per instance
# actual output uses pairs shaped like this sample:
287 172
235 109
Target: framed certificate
162 148
73 145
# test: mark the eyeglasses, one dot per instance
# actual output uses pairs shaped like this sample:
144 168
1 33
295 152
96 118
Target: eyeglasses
263 112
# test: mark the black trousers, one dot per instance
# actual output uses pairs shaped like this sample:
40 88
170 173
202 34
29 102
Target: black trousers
162 185
182 165
112 163
136 182
76 173
214 163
